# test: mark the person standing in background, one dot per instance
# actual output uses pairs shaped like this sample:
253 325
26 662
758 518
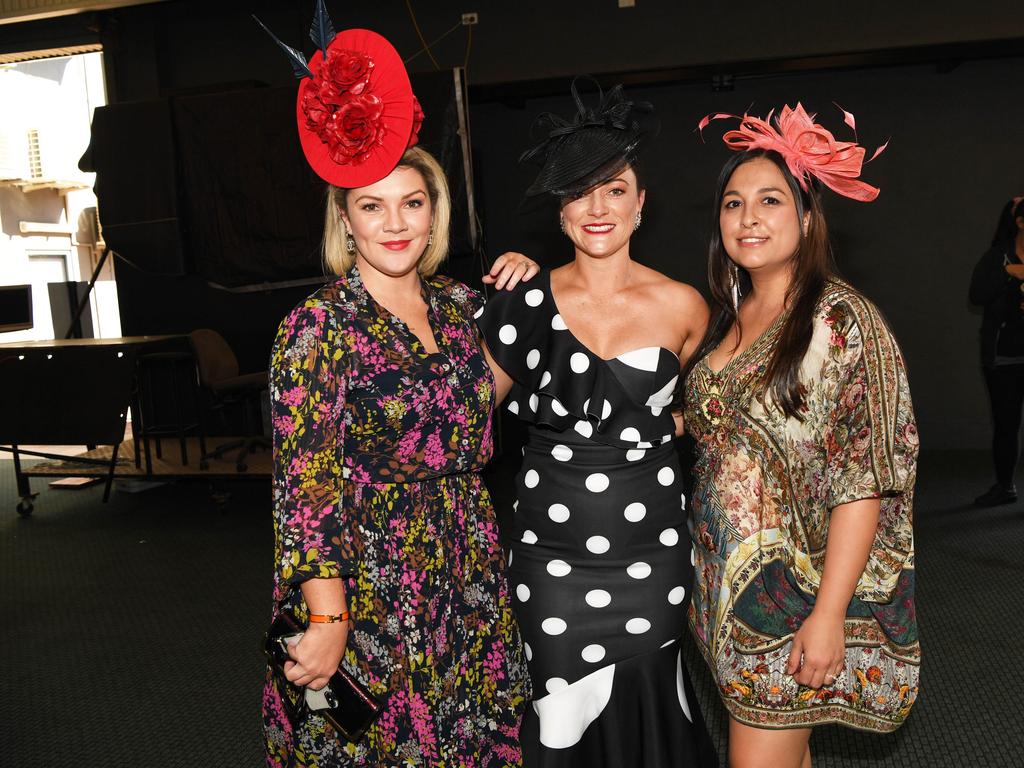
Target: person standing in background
996 286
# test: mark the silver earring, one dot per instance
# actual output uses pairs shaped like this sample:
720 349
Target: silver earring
561 224
430 237
636 224
350 243
734 280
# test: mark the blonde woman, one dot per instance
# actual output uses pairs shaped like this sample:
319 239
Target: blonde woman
386 540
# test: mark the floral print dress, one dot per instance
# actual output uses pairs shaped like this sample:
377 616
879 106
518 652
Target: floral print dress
765 486
378 448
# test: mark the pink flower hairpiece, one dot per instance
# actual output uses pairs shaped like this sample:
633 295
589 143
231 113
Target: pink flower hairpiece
808 148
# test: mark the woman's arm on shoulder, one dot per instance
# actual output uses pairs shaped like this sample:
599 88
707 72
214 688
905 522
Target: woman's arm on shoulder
509 270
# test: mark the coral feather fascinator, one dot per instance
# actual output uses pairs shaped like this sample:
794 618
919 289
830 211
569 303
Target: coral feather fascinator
809 150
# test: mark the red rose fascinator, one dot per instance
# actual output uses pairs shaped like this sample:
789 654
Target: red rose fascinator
356 111
808 149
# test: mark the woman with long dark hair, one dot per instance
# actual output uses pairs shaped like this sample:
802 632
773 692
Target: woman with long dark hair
996 285
798 399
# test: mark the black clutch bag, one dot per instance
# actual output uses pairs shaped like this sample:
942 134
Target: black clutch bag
344 703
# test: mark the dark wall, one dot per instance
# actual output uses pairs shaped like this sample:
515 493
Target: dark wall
954 117
953 161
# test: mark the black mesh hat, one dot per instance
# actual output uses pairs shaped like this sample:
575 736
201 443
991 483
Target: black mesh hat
595 145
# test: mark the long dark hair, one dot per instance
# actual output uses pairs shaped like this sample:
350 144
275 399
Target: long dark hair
813 267
1006 227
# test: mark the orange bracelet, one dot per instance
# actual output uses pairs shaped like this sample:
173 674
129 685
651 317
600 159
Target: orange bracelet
328 618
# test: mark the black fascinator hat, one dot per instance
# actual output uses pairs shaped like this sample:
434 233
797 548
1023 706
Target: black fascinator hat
596 144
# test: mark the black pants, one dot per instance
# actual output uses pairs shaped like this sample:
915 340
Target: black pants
1006 395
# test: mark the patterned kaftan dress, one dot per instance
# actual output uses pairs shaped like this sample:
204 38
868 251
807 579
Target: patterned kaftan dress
377 451
765 485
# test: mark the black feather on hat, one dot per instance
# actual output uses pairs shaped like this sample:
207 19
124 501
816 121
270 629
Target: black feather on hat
596 145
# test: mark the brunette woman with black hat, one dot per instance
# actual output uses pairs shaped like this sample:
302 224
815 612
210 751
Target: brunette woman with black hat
601 562
997 285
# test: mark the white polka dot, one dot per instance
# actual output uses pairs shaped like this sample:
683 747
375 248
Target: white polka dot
635 454
534 297
669 537
529 537
513 407
558 408
598 544
544 379
606 410
656 410
476 315
676 595
553 626
693 556
639 570
645 445
666 475
579 362
635 512
593 653
598 598
529 651
534 402
667 643
597 482
667 438
507 334
585 428
559 568
531 478
561 452
532 359
510 553
558 512
637 626
630 435
523 593
558 324
556 684
586 405
645 358
682 501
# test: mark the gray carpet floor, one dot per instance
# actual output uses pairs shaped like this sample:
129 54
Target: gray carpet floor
130 631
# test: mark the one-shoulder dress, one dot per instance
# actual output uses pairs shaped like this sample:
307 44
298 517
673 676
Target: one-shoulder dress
601 560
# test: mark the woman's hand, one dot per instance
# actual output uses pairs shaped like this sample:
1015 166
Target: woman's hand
510 268
317 655
1015 270
819 650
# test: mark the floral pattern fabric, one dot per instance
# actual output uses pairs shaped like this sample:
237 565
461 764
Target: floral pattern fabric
378 447
765 486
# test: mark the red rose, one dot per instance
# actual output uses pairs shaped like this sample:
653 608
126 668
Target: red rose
344 73
354 129
417 122
317 113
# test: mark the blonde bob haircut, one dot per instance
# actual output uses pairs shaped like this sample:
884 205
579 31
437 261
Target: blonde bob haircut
339 260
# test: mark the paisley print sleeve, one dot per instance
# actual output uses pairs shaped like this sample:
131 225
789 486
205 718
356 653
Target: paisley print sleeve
872 444
307 391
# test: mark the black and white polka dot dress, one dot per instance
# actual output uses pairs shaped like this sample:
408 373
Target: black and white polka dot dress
601 562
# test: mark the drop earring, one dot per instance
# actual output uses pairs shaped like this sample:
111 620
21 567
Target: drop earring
430 237
561 224
350 243
636 224
734 280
